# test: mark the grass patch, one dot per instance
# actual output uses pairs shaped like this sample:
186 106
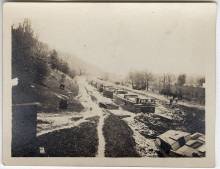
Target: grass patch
79 141
118 137
75 118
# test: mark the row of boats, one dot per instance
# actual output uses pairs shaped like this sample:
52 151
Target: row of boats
127 100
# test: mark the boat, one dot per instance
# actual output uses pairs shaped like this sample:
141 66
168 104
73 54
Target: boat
135 103
108 91
175 143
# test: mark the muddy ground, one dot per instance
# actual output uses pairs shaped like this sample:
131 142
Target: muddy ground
118 137
80 141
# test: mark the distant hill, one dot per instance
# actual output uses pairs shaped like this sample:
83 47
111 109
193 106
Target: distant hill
81 66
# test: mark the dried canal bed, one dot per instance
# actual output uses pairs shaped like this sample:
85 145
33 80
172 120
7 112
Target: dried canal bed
122 132
109 133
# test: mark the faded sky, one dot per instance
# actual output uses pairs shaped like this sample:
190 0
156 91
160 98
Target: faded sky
122 37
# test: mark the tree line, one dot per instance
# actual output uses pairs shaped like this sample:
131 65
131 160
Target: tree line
144 80
32 60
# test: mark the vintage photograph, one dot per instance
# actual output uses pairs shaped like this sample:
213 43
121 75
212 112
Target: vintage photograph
109 80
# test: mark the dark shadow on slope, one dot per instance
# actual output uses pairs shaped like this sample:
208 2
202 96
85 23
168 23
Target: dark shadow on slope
79 141
46 96
118 137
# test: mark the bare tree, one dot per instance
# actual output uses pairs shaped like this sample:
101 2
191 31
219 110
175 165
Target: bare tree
181 79
170 79
167 81
201 81
148 77
137 80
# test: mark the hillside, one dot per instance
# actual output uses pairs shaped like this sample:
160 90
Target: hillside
49 94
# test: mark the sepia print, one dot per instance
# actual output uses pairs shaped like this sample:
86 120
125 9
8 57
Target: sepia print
129 83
